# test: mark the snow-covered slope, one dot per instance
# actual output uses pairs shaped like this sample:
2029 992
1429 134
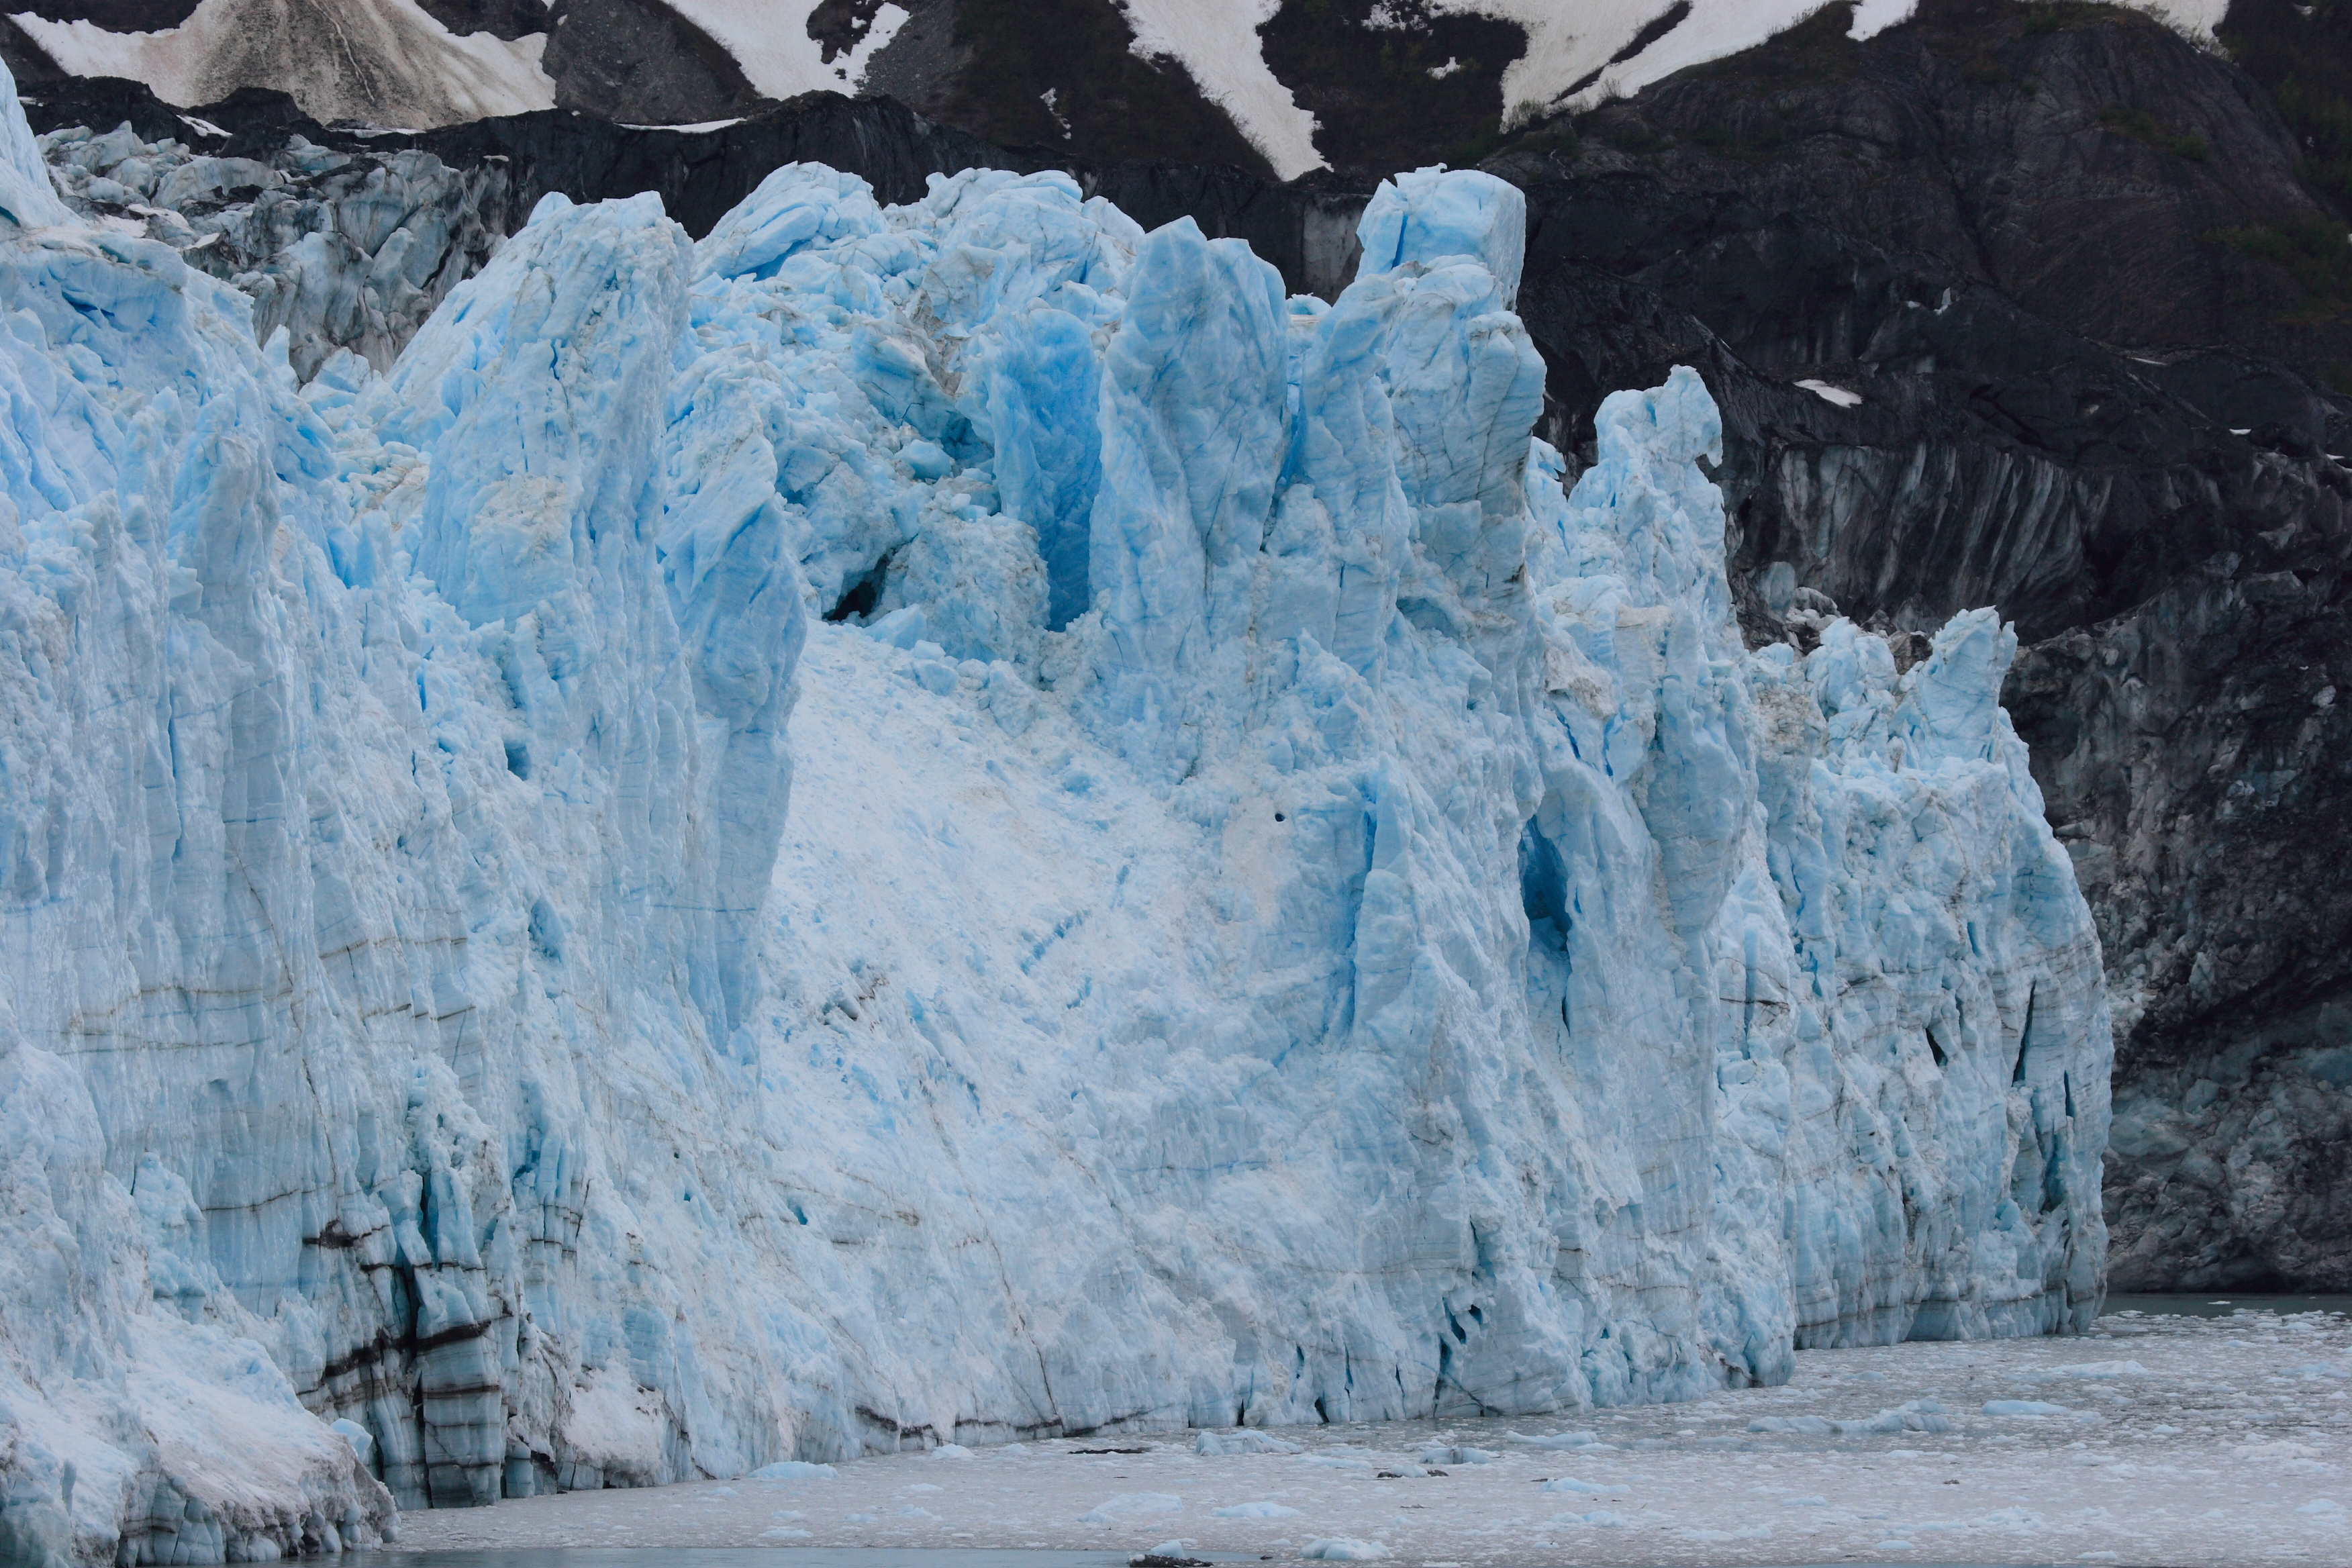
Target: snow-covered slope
388 62
1581 52
1283 912
385 62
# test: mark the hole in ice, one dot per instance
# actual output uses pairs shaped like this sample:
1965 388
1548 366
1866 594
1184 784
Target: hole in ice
859 598
1543 890
1279 817
519 758
2025 1034
1935 1049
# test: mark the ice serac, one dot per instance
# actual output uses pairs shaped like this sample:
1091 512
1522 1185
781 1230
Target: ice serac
935 823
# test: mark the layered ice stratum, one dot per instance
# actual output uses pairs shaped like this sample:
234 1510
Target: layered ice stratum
946 823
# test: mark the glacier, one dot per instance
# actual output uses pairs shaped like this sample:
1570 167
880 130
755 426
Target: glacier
942 824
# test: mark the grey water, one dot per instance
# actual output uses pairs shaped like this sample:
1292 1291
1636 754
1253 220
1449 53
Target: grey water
2222 1304
753 1557
834 1557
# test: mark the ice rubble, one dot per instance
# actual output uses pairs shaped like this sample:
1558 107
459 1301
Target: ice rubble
344 251
1286 913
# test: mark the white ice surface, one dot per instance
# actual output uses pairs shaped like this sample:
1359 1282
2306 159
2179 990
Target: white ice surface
1838 396
387 62
2225 1455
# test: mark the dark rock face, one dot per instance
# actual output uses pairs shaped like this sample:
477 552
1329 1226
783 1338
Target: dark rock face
2083 160
2200 747
1393 84
1059 76
641 63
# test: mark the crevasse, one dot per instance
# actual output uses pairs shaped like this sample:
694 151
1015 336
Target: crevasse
946 823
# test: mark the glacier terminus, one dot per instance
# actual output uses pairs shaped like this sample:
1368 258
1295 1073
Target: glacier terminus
941 824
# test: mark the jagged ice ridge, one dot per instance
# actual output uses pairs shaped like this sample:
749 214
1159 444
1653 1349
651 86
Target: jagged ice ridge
935 824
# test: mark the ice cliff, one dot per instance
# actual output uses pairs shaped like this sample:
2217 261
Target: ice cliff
946 822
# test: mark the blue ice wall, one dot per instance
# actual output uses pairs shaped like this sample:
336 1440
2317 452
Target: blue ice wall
950 822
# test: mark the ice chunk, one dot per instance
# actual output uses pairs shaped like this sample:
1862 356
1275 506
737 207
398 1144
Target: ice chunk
1126 1504
2024 1407
1557 1440
1429 215
798 207
1263 1510
1912 1415
2096 1371
1590 1489
357 1437
1343 1548
26 198
795 1470
1243 1440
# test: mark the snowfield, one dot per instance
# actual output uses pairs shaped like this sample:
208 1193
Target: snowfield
2192 1441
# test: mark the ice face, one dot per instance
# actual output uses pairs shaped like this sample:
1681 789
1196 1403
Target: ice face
939 823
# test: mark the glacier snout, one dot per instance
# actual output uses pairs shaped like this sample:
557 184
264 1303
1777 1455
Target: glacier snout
947 822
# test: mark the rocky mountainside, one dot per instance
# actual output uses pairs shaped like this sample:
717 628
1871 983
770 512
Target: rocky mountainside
1280 87
2040 305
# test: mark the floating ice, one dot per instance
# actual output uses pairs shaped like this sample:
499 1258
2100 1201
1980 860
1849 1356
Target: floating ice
1243 1441
1343 1548
1264 800
1912 1415
1126 1504
1265 1510
2024 1407
1557 1440
2093 1371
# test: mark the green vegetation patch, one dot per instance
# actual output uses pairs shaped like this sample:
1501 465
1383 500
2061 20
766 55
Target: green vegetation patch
2305 61
2315 251
2141 126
